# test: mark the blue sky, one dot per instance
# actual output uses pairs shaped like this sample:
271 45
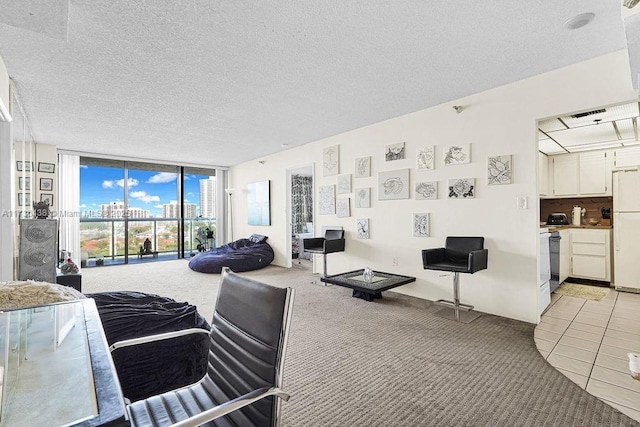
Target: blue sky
147 189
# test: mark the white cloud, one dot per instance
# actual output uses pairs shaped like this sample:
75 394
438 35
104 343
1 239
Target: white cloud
162 178
120 183
144 197
82 206
84 167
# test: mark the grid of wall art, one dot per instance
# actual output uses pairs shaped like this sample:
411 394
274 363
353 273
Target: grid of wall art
35 177
394 183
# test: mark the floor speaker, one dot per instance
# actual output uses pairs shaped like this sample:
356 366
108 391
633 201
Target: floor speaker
38 250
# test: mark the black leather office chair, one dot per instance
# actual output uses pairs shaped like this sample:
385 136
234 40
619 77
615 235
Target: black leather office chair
248 340
460 255
333 241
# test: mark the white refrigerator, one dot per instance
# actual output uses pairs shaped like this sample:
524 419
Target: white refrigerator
626 230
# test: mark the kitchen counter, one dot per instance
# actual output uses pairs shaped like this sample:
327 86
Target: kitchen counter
553 228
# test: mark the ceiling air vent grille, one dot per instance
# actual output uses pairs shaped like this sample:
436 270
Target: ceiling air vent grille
588 113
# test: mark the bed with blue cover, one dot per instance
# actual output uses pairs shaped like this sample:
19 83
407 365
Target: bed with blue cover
153 368
240 255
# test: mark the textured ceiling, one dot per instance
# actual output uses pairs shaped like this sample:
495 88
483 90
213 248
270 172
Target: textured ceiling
222 82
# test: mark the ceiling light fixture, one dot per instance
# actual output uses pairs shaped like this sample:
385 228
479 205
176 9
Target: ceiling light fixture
579 21
458 108
630 3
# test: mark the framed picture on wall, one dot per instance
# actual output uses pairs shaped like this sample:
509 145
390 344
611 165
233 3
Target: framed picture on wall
46 197
46 184
259 203
46 167
393 184
24 166
327 202
24 183
457 154
363 167
331 160
24 199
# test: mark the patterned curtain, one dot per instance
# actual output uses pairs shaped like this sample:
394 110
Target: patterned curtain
301 202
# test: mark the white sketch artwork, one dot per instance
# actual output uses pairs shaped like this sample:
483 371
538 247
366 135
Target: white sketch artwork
393 185
344 184
343 208
463 188
331 160
363 197
363 167
427 158
499 170
394 152
421 225
327 200
457 154
362 224
426 190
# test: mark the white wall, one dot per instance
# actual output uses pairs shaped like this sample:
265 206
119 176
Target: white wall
498 121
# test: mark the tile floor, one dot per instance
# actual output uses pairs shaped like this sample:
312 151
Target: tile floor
588 341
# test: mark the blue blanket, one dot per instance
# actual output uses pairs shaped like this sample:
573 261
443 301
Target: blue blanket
241 255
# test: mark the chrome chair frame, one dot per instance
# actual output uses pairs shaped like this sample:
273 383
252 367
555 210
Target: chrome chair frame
240 402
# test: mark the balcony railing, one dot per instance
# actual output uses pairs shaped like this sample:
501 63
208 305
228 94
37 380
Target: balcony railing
102 240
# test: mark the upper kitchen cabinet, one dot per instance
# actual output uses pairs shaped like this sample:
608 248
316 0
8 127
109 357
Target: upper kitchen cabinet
593 174
565 175
543 174
627 157
581 174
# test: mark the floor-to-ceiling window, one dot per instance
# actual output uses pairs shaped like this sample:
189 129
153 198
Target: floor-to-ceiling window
102 211
139 212
200 207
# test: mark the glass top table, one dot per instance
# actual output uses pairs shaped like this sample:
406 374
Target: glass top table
56 368
364 289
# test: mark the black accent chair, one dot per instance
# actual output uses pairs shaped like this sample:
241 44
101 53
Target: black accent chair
460 255
248 341
333 241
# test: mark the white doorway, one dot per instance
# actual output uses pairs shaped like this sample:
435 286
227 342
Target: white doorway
300 212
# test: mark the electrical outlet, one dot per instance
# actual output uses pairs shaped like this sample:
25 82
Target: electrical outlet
395 261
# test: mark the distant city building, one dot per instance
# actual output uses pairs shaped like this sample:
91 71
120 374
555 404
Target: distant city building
172 209
116 210
208 197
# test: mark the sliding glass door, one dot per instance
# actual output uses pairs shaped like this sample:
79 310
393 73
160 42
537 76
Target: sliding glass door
137 212
102 212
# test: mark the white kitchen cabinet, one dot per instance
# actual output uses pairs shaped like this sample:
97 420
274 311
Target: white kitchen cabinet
581 174
593 174
565 256
627 157
565 175
543 173
591 253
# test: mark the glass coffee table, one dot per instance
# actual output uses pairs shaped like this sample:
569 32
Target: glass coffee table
365 290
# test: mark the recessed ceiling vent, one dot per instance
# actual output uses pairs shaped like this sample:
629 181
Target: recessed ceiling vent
588 113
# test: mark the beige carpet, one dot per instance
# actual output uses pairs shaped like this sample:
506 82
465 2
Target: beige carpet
594 293
390 362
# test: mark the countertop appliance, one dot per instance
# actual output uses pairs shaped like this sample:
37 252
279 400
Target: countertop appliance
544 262
557 219
626 230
